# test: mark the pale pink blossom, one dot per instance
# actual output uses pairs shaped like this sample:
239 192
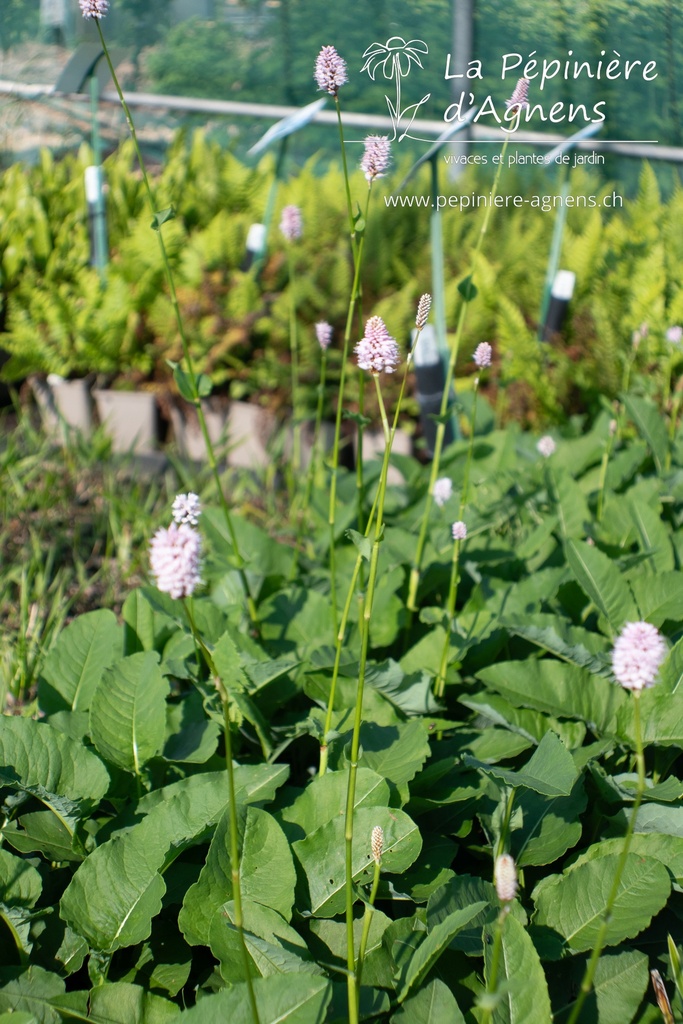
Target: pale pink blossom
323 333
546 446
638 652
186 508
482 354
330 70
376 156
443 489
377 351
505 878
94 8
459 530
174 559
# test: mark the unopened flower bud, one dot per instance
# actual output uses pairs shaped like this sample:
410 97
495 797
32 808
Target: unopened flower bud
377 843
423 307
505 878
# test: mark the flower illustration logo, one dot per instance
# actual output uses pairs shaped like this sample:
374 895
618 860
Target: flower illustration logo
395 58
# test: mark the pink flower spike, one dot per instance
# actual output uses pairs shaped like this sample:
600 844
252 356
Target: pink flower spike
291 224
674 335
546 446
520 96
377 351
94 8
423 307
376 156
482 354
459 530
186 508
638 652
323 333
174 559
443 489
330 70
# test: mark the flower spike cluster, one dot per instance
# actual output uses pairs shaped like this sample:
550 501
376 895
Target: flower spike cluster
186 508
174 559
520 96
546 446
94 8
638 652
330 70
376 156
291 224
377 351
505 878
423 307
443 489
459 530
323 332
482 355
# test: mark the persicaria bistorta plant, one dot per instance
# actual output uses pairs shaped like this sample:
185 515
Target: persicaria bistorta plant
94 8
175 559
330 70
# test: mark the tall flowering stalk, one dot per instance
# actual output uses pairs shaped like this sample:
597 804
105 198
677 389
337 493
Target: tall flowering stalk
482 359
291 228
376 848
341 632
467 292
323 333
505 881
175 563
374 164
638 652
96 10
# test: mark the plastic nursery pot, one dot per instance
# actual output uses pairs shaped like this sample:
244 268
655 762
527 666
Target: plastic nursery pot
130 418
63 404
250 429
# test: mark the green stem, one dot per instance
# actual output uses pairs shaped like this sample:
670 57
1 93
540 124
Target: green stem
358 258
232 811
294 359
367 921
589 975
450 374
191 375
316 457
505 827
352 981
341 632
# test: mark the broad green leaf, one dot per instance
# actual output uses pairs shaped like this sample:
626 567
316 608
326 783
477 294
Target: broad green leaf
330 941
38 759
122 1003
33 991
564 691
661 716
652 534
128 711
20 883
280 999
411 694
116 892
521 983
44 832
414 968
650 425
321 855
568 643
671 672
463 891
73 666
263 844
621 980
571 506
433 1004
149 620
653 818
191 737
659 597
602 582
273 946
574 904
396 752
325 798
550 826
532 725
667 849
550 770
